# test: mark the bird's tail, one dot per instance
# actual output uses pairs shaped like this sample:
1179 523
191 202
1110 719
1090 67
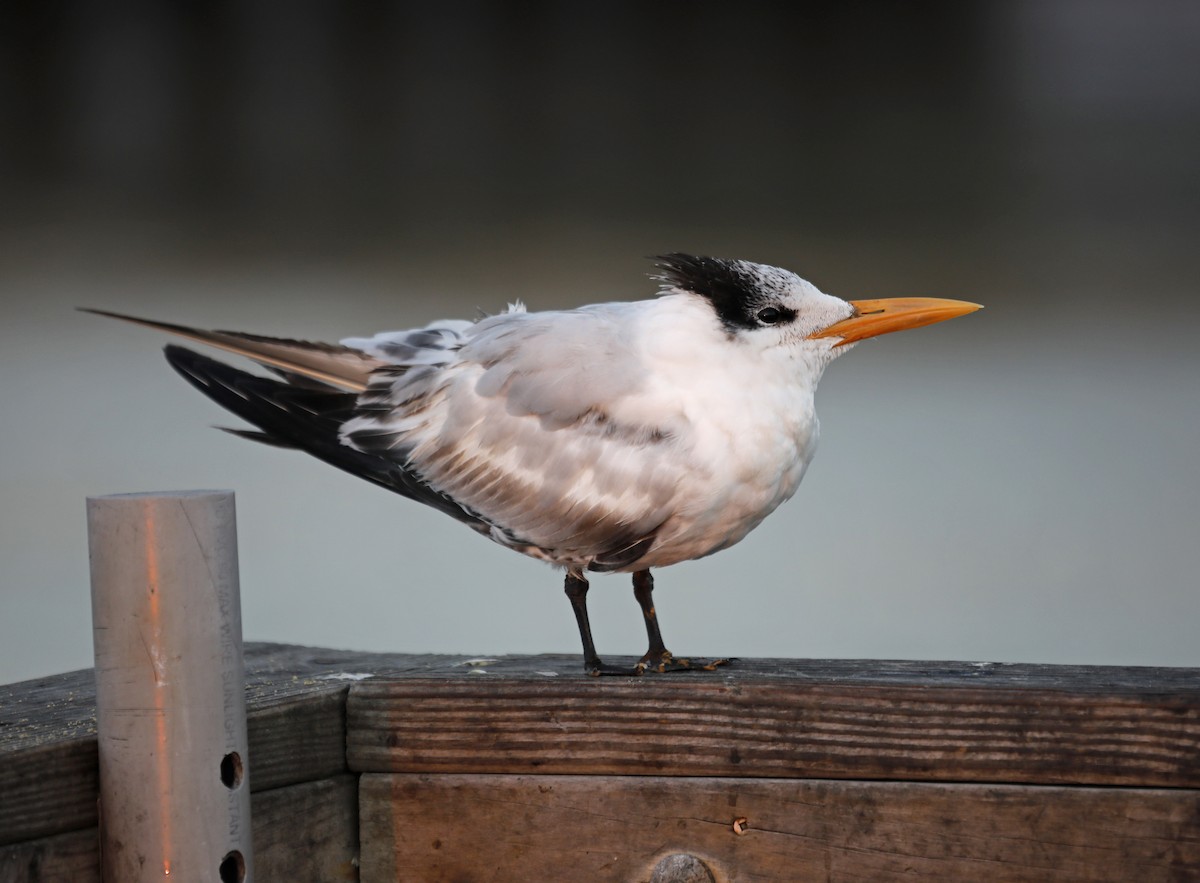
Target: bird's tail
323 363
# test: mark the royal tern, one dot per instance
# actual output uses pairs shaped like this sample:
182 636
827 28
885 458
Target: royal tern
614 437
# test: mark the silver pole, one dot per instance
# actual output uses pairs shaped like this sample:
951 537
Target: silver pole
170 701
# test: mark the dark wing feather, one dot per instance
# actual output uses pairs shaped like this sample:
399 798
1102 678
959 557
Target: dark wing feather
309 418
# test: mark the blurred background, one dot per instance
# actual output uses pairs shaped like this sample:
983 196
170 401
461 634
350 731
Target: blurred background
1018 485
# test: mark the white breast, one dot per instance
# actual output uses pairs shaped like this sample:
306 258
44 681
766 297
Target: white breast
752 429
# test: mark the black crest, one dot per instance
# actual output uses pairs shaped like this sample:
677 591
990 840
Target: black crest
737 290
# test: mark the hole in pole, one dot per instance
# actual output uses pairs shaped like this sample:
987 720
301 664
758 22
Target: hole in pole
231 770
233 868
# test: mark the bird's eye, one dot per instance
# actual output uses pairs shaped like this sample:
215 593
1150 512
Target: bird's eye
769 315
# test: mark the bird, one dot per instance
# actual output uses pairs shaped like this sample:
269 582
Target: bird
616 437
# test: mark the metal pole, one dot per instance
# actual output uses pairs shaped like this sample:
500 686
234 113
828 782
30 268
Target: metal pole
170 701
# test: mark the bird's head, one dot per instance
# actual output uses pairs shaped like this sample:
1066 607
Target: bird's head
772 306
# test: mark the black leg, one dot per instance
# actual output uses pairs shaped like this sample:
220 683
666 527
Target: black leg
658 658
576 588
643 590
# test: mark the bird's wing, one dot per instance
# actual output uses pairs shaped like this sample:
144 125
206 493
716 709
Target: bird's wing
307 417
533 428
534 423
339 365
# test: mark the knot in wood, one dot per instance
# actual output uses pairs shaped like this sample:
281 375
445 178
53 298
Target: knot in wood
681 868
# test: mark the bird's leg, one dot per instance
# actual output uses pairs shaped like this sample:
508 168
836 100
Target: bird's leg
643 590
576 587
658 657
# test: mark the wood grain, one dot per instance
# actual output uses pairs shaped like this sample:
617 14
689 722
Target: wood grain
518 828
73 857
1028 724
295 698
297 739
924 721
49 768
307 831
301 832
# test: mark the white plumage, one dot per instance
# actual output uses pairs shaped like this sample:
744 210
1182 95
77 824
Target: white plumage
619 436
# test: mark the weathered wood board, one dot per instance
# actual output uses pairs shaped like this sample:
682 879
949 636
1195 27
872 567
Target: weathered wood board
306 832
465 828
295 698
840 767
73 857
49 769
910 721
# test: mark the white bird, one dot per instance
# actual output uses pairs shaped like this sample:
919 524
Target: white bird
613 437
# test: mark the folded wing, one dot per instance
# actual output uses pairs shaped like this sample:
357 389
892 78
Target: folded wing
535 424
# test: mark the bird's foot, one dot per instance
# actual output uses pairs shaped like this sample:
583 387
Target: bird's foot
598 669
656 663
665 661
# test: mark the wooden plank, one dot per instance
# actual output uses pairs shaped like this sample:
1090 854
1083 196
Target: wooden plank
1040 728
759 717
307 831
73 857
520 828
297 739
301 832
296 720
49 774
295 698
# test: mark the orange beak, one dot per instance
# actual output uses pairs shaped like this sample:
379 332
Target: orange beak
874 317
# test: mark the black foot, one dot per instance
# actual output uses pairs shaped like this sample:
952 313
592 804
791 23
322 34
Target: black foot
665 661
661 664
598 669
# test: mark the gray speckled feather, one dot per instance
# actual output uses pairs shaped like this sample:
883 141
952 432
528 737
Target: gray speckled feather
515 422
